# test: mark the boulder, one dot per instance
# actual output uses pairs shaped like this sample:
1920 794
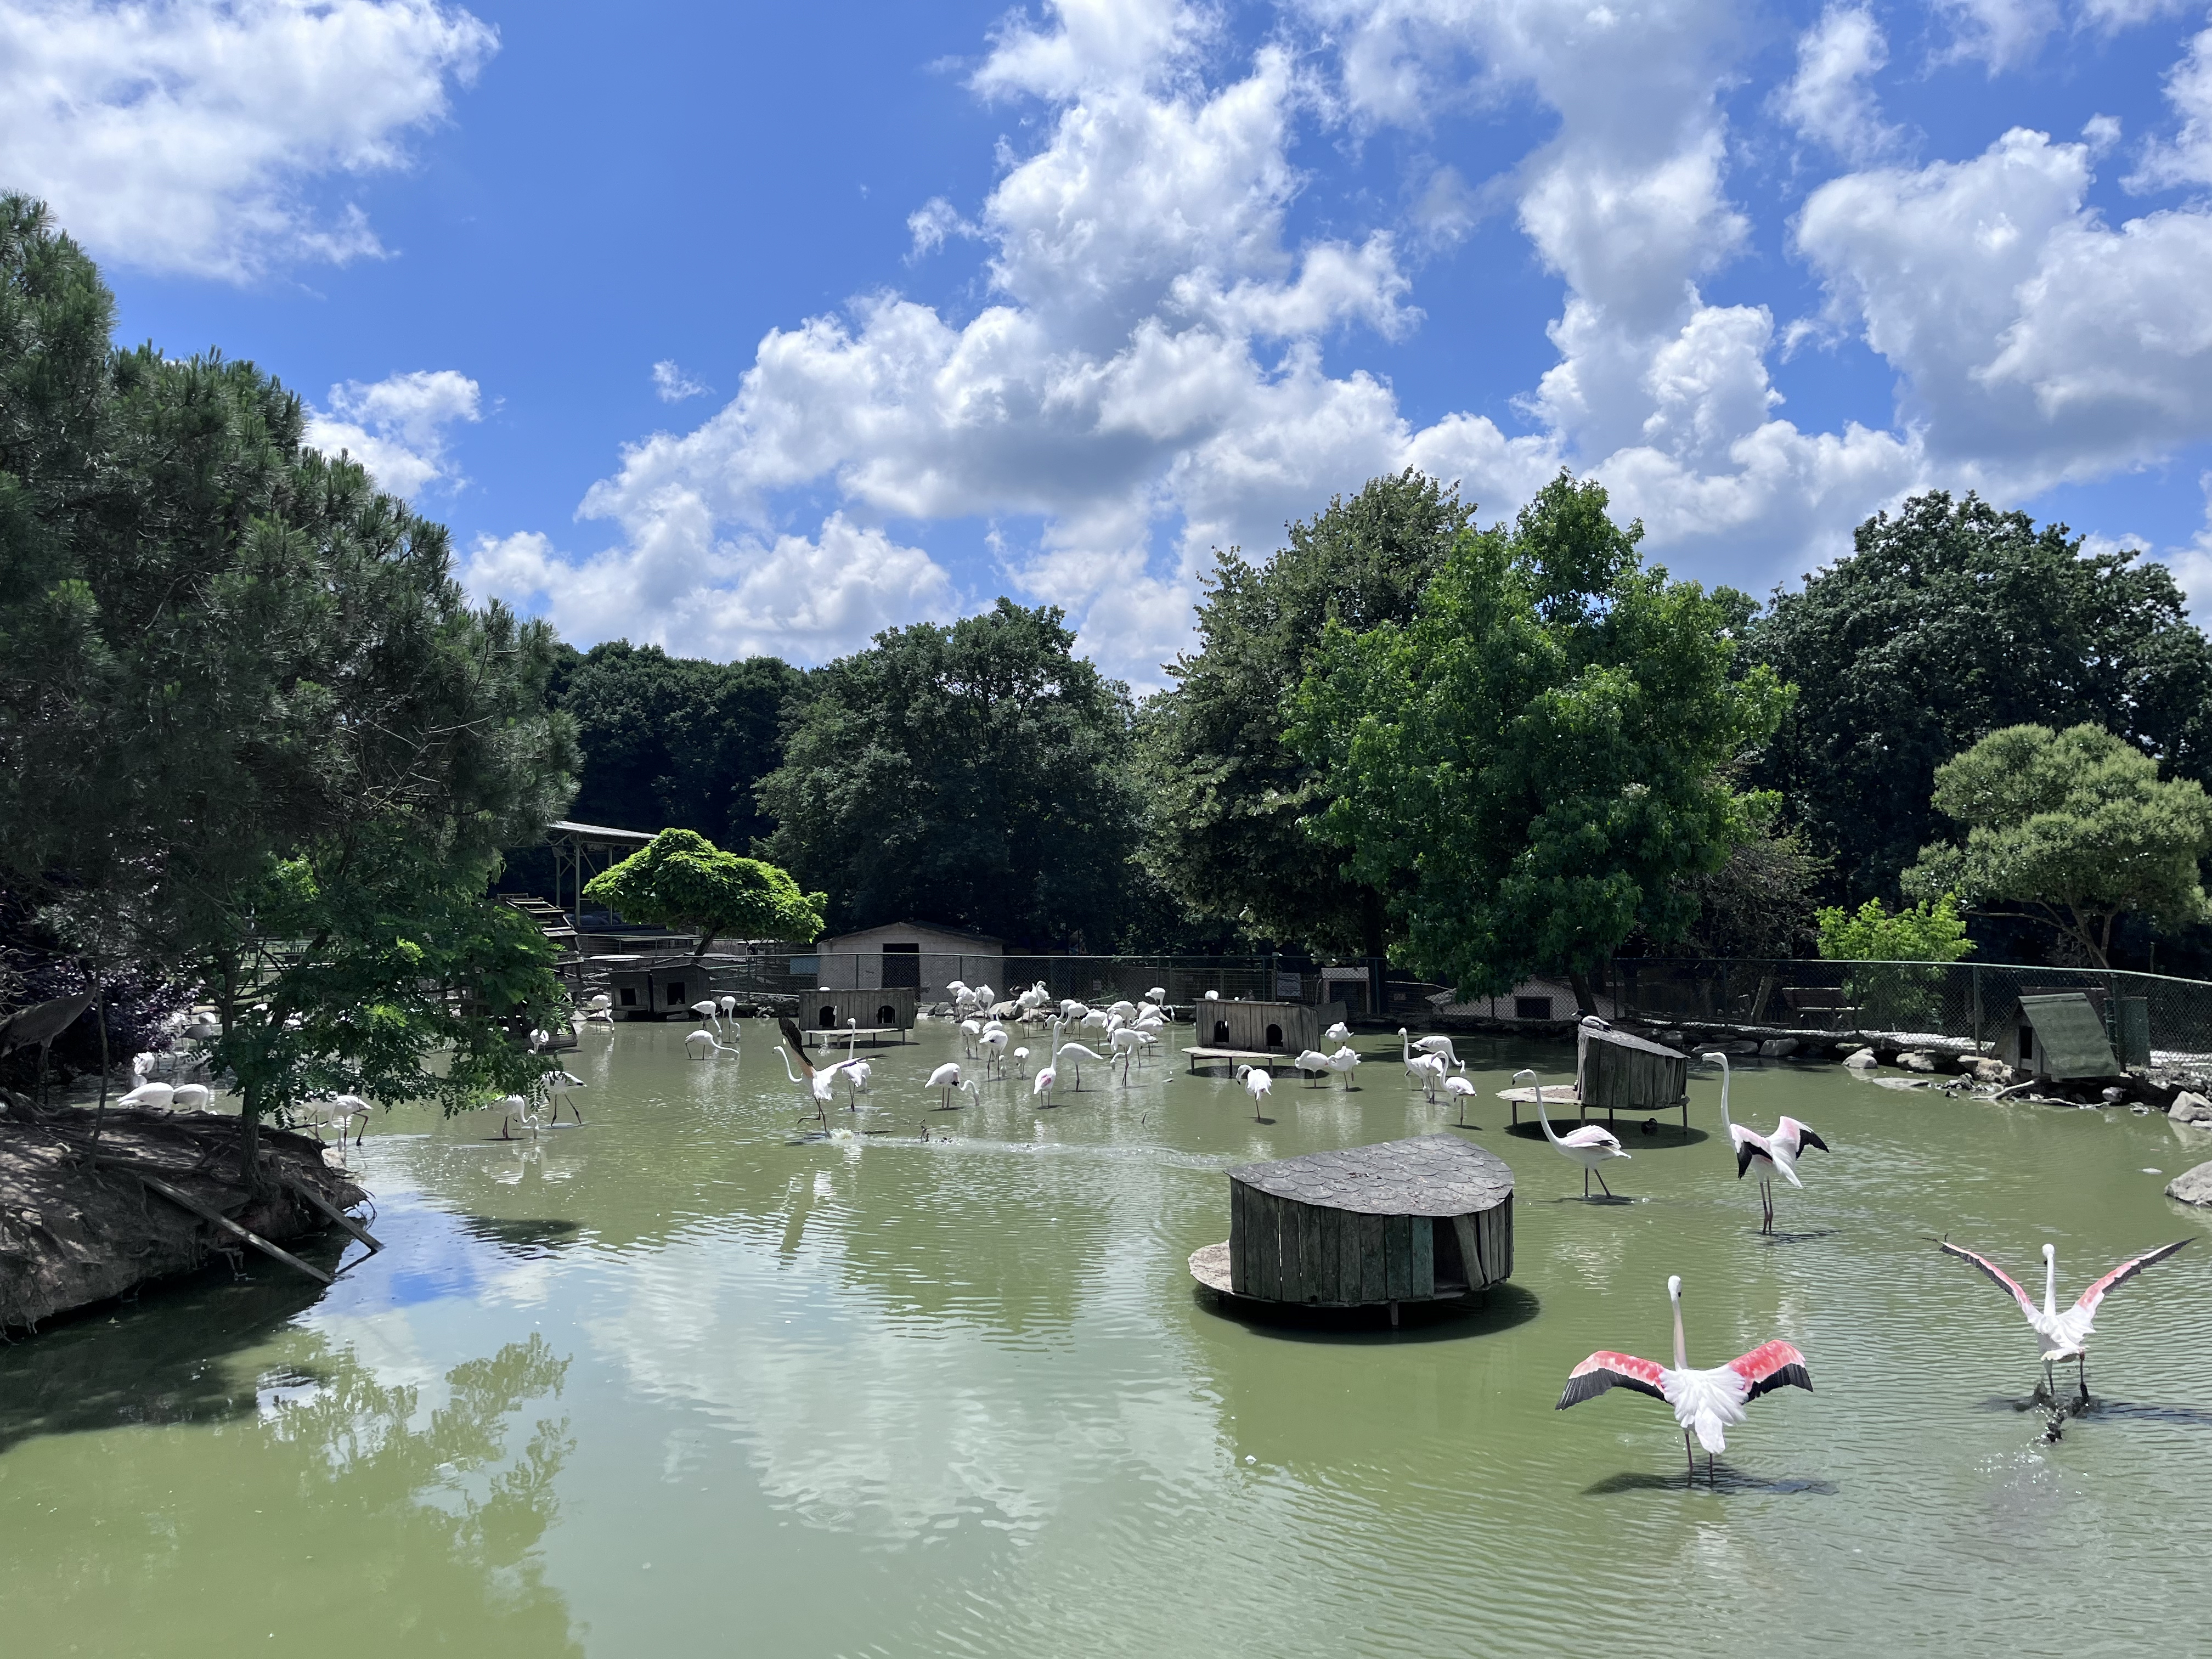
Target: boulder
2190 1107
1860 1059
2192 1186
1742 1046
1990 1069
1777 1047
1917 1060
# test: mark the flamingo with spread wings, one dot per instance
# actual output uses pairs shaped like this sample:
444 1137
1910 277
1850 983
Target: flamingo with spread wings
1707 1403
2064 1336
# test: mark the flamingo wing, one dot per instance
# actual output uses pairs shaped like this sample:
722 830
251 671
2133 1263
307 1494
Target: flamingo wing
1747 1147
2135 1264
790 1035
2026 1303
1794 1137
1771 1366
1590 1135
1606 1370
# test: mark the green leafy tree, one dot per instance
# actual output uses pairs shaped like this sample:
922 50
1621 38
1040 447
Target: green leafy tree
2073 829
1530 765
681 879
1930 931
1760 903
1227 799
1950 621
976 774
251 731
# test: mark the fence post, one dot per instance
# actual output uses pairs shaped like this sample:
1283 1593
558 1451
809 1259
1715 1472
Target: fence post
1974 992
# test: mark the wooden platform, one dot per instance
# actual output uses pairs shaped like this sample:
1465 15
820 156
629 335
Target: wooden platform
1203 1056
867 1036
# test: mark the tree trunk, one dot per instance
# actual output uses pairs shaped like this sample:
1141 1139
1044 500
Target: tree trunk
249 1138
1585 999
1370 929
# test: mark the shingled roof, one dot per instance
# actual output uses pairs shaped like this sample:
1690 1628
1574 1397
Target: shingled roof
1429 1174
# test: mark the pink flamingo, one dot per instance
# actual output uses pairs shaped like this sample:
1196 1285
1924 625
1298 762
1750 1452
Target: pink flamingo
1589 1145
1706 1402
1767 1155
2064 1336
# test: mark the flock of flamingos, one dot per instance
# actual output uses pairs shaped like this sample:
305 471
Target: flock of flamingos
1706 1402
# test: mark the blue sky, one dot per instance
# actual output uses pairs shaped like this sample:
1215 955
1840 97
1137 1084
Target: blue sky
952 301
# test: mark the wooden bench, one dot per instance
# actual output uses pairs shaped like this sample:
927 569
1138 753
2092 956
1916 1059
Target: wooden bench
1826 999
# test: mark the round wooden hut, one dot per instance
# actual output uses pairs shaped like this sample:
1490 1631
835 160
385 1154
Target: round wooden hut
1429 1219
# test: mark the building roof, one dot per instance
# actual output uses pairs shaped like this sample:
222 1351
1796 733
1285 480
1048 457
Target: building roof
823 943
599 832
1429 1174
1627 1040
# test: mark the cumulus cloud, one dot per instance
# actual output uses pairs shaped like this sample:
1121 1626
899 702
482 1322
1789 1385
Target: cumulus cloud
397 427
1828 99
673 385
185 135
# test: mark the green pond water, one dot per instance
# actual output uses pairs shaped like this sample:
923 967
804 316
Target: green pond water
670 1384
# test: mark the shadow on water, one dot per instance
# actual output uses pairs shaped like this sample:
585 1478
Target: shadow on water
529 1239
1724 1481
1499 1308
1811 1235
2098 1409
1635 1133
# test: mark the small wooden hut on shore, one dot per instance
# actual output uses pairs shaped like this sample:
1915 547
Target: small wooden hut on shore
874 1011
1622 1073
2058 1035
1264 1028
1429 1219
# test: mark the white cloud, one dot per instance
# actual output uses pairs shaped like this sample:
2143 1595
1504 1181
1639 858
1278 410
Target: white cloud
673 385
183 135
396 427
2192 564
2186 159
2004 35
1828 99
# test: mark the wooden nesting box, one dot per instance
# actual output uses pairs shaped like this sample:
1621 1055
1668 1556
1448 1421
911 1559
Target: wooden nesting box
1622 1073
877 1008
1428 1219
1264 1028
646 988
2058 1035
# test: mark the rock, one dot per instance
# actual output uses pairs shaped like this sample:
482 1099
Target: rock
2192 1186
1742 1046
2114 1096
1860 1059
1990 1069
2190 1107
1917 1060
1777 1047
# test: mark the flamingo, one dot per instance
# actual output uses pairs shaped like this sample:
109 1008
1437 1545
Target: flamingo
972 1031
2064 1336
1428 1070
1339 1032
1046 1077
994 1040
1705 1402
1343 1062
1257 1081
1158 994
1589 1145
728 1006
1313 1063
1461 1090
156 1096
190 1098
1081 1054
821 1083
857 1073
708 1009
1765 1154
349 1109
558 1083
1437 1045
1021 1059
510 1107
947 1081
698 1043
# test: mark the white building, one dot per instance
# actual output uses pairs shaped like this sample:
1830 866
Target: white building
919 954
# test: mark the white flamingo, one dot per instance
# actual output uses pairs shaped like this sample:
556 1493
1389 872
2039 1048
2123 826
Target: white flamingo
2064 1336
1437 1045
1021 1059
821 1084
1706 1403
702 1043
727 1006
947 1081
971 1032
1339 1032
558 1084
1589 1145
707 1009
1343 1062
1126 1044
857 1075
1428 1071
1314 1064
154 1096
1461 1089
1764 1155
1257 1081
1042 1084
190 1098
994 1040
349 1109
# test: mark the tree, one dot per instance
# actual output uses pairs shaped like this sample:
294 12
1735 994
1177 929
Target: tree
251 731
681 879
975 775
674 741
1227 799
1531 763
1950 621
1760 903
1930 931
2075 829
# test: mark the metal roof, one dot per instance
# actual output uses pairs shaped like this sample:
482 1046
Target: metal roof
599 832
2069 1038
1429 1174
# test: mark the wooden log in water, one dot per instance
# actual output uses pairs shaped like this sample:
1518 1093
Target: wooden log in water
208 1212
299 1189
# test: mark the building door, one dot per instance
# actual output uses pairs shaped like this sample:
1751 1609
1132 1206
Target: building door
903 967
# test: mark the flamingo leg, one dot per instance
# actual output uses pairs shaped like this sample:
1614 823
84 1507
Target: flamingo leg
2082 1374
1586 1176
1601 1181
1689 1457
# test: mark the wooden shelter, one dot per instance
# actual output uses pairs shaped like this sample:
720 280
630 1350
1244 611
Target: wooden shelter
883 1008
1264 1028
1429 1219
2057 1035
654 987
1622 1073
581 851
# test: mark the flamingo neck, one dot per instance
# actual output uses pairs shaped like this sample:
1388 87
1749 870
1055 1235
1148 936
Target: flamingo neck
787 1072
1681 1349
1727 1128
1544 1118
2050 1286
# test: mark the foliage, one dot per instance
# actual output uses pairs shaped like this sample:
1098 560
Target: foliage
2074 827
681 879
975 775
250 730
1530 765
674 741
1227 798
1951 621
1930 931
1760 902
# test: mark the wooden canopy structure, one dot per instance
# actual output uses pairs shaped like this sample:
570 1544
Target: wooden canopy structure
581 851
2057 1035
1429 1219
1623 1072
1264 1028
885 1007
